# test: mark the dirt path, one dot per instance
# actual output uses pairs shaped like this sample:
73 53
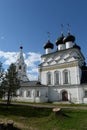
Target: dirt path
52 106
67 106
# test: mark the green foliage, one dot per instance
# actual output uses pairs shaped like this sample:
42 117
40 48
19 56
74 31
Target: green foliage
1 72
44 118
1 79
10 83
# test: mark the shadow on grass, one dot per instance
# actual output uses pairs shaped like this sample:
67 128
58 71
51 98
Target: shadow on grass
25 111
65 115
14 128
6 128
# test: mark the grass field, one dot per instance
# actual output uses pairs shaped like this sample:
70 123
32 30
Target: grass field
33 118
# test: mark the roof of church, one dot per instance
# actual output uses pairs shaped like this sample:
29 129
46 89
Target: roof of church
68 38
32 84
48 45
75 47
60 40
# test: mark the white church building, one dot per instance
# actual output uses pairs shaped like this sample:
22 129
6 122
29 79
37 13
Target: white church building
62 74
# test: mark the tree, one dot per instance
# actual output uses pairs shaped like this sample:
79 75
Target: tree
10 84
1 72
1 78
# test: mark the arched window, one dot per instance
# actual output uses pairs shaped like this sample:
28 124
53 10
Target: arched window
49 78
20 67
56 78
28 94
21 93
66 77
37 93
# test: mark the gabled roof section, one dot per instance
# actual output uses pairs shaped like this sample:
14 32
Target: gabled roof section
63 56
62 51
32 84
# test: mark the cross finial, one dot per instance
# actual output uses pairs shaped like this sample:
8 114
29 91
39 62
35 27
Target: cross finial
62 27
48 35
68 28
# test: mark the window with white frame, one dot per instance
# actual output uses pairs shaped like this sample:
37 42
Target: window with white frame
49 78
28 93
37 93
85 93
56 78
66 77
21 93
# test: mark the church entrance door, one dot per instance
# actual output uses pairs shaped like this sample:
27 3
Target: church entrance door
64 96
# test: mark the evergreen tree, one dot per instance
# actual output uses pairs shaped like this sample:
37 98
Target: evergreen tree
1 72
1 79
10 84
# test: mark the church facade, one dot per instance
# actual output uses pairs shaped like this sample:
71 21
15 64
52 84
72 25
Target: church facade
62 74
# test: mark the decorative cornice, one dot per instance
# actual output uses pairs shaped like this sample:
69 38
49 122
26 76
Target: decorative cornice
63 51
54 67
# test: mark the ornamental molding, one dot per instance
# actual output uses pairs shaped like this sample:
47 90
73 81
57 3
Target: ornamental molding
54 67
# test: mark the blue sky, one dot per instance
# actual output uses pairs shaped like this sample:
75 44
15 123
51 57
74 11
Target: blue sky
26 23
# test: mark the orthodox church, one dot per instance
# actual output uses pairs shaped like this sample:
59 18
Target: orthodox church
62 74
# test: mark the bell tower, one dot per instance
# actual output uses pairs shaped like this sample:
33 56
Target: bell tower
21 66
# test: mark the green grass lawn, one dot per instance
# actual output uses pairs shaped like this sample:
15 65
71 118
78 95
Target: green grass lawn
33 118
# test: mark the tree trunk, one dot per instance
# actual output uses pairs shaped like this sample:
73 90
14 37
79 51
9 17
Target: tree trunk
8 99
57 111
2 127
10 125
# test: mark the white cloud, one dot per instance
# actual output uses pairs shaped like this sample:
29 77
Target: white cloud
32 60
8 57
32 77
32 70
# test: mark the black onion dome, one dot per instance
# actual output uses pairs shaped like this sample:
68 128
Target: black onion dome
49 45
84 67
69 38
76 46
84 73
60 40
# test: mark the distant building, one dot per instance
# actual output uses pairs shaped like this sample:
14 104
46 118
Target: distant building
62 74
